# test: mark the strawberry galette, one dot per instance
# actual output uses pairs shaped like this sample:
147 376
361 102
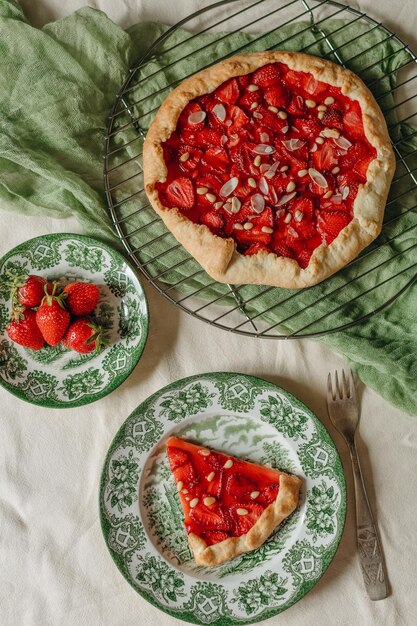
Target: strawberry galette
230 506
270 168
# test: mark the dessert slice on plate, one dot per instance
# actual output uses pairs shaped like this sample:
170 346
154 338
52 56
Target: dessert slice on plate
230 506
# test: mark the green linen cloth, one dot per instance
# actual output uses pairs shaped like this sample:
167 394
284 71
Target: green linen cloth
57 86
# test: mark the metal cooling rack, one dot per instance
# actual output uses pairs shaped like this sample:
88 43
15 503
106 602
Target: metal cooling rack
330 29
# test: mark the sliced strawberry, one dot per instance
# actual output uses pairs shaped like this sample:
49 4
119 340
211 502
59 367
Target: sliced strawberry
214 536
277 95
331 223
313 87
271 120
184 121
357 152
212 220
352 120
238 118
240 486
203 138
333 118
208 517
361 167
244 522
213 182
255 248
293 78
282 249
325 157
305 228
194 156
177 457
186 474
248 98
267 75
307 127
244 80
216 159
268 495
305 206
180 193
350 181
297 105
228 92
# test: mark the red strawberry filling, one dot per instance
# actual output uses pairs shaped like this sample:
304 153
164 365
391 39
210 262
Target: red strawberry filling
273 159
221 496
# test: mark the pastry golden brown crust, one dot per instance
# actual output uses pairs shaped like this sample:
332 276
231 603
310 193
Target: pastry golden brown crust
217 255
273 515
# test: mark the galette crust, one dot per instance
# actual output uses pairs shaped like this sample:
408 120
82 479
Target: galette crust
274 514
217 255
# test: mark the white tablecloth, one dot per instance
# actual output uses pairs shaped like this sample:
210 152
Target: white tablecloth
55 567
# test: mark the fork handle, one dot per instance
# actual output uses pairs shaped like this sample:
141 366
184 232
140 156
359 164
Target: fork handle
370 554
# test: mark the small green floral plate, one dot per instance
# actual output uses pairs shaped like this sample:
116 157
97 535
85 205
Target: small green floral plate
54 376
142 520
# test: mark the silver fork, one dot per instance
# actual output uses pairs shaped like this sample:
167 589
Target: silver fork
344 414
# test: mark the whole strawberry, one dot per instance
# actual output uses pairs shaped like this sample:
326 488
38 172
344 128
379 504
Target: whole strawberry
30 294
25 331
84 336
52 317
82 298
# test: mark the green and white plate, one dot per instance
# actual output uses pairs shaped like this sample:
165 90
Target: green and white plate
142 520
54 376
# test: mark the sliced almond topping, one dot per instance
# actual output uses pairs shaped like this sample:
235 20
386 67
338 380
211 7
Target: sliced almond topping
320 115
238 226
322 107
310 104
302 173
285 129
204 452
286 198
263 148
273 109
218 205
253 88
263 185
197 117
229 462
290 186
209 501
229 187
320 140
212 474
257 202
242 511
257 161
343 143
180 485
252 182
329 100
210 197
284 168
184 157
220 112
335 170
317 178
298 216
202 190
194 502
328 194
236 204
314 148
345 192
287 218
330 132
254 105
283 115
267 230
254 494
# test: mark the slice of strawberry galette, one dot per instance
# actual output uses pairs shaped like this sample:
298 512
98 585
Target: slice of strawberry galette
270 168
230 506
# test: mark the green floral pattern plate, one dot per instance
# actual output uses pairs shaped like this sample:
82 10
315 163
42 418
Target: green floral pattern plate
142 520
54 376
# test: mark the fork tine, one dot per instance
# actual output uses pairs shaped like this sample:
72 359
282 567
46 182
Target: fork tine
352 386
330 394
338 390
346 384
